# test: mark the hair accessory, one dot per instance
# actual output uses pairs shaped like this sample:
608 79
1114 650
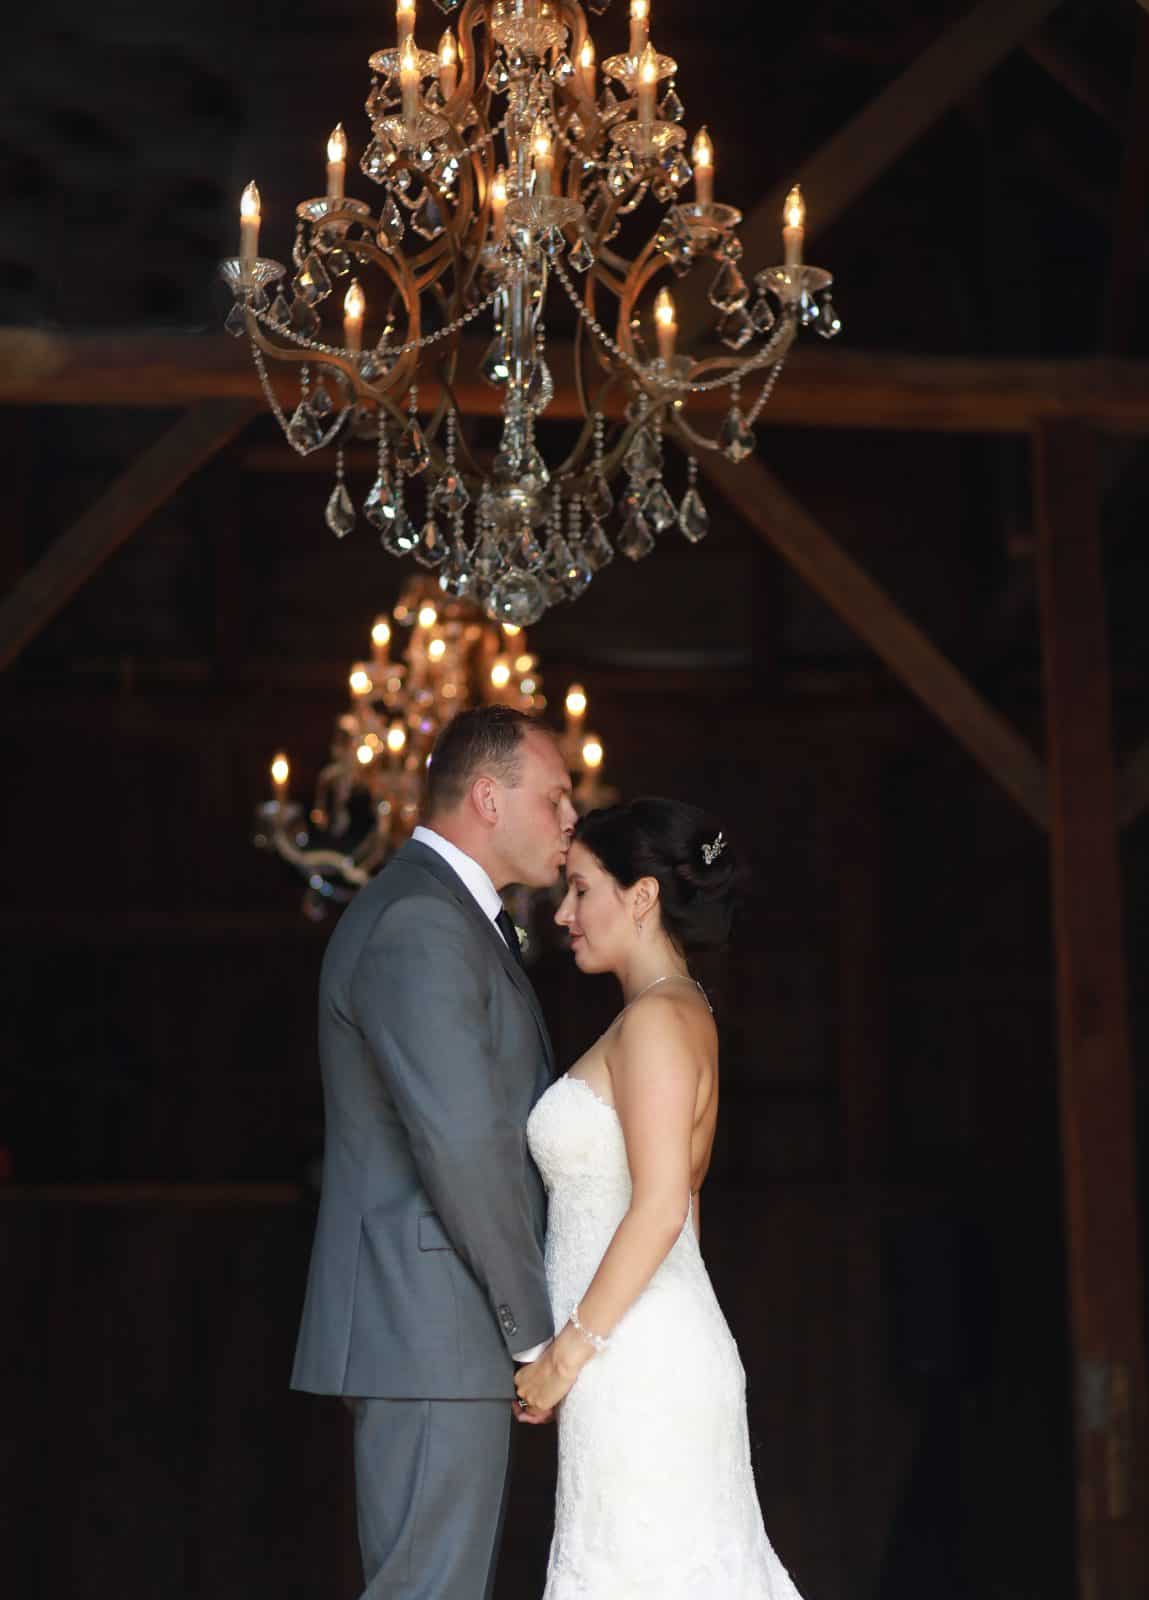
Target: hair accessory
711 851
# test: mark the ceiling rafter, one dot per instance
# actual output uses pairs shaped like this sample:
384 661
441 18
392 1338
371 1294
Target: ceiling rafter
785 524
151 480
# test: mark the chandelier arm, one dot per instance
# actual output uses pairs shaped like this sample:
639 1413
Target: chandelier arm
471 14
643 269
320 860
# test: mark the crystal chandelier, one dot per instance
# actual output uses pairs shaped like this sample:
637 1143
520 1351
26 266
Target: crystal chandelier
367 796
507 174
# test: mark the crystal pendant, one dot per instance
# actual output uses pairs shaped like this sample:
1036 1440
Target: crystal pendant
236 320
280 313
338 262
607 103
829 322
677 169
427 218
658 508
495 368
488 561
304 431
598 6
558 558
411 452
729 248
447 6
671 108
599 500
455 578
635 538
597 547
380 505
527 550
736 436
540 387
322 403
563 69
693 517
576 575
736 329
311 281
643 458
581 256
302 319
379 102
517 598
761 314
340 513
400 536
377 160
390 229
450 494
729 291
681 260
498 77
431 551
618 178
575 129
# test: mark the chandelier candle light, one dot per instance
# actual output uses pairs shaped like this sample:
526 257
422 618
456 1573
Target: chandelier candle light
368 795
513 165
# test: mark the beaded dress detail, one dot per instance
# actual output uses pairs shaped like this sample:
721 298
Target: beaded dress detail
656 1497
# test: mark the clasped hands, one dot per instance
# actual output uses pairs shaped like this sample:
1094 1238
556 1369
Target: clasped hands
543 1383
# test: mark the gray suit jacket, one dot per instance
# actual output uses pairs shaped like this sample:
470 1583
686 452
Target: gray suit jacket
427 1268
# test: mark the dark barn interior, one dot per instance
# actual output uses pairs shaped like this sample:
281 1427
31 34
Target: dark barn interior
908 669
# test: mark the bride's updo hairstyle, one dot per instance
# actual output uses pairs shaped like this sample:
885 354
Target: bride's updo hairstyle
696 869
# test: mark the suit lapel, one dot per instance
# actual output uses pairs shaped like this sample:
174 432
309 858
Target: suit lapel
414 853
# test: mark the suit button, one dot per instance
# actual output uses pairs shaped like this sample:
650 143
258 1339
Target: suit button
506 1319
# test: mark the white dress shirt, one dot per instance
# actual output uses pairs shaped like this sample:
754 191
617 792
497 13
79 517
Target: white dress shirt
478 882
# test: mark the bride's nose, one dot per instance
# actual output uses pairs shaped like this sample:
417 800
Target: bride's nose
564 916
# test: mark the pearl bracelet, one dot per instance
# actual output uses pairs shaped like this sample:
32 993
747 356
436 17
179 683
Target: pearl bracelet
596 1339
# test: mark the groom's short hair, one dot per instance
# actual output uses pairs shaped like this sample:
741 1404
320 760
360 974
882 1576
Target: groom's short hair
484 741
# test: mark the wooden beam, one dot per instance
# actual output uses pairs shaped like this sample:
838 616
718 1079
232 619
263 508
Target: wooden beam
1133 787
836 388
1129 227
770 509
1097 1099
151 480
1089 86
848 163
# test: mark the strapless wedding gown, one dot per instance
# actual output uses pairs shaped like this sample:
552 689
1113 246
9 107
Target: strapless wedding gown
656 1496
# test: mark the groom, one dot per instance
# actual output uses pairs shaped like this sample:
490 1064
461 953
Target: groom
426 1278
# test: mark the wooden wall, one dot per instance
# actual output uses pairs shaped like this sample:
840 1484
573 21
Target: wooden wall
882 1221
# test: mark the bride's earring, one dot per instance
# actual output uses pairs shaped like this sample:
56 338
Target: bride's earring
638 926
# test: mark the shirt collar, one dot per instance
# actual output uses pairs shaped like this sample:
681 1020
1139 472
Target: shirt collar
473 875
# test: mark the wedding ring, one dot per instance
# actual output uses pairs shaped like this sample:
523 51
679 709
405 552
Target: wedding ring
523 1405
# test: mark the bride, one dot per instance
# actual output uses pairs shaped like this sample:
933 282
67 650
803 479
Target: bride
656 1494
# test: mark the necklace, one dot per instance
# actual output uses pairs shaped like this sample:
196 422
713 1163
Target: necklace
667 977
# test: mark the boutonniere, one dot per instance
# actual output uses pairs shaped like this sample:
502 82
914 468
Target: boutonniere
523 937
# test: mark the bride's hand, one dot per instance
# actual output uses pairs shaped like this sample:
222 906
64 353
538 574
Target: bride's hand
543 1383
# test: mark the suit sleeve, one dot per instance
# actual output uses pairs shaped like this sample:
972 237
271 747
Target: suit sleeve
419 994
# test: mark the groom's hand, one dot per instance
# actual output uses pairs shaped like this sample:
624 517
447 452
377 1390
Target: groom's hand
532 1415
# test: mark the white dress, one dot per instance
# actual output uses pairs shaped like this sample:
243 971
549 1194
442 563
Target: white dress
656 1496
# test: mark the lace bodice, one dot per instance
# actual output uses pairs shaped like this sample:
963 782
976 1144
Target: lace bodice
656 1497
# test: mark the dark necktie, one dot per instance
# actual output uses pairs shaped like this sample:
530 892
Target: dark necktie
506 926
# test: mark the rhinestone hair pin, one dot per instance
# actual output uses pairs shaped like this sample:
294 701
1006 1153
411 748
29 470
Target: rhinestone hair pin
711 851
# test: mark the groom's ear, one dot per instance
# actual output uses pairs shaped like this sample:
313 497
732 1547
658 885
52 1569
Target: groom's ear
484 800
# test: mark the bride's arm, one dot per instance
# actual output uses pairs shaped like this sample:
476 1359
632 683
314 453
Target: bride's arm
655 1072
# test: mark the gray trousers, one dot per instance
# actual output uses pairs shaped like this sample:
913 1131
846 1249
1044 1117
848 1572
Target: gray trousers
430 1486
